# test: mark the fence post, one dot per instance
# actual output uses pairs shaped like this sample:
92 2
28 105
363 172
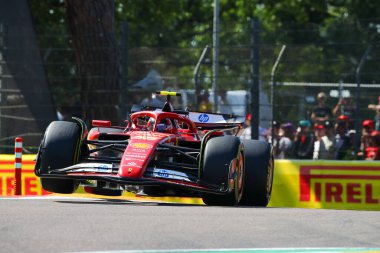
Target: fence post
357 98
18 165
197 85
125 100
215 54
255 76
273 90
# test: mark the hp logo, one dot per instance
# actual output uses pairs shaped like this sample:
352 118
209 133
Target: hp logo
203 118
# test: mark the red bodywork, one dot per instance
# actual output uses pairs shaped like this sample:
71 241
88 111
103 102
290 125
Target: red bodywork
156 148
143 142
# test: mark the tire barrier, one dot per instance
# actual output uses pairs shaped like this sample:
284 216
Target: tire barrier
297 183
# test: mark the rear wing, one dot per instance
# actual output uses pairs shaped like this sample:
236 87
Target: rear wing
215 120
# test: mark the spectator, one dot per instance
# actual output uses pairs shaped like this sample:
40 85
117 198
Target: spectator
323 146
276 129
304 141
346 107
321 112
247 132
372 151
205 105
343 142
224 106
368 128
263 134
284 143
376 108
330 131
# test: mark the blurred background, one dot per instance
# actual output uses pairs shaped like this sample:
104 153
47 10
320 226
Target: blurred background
95 59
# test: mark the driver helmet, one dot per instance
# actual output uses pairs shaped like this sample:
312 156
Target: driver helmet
150 124
165 126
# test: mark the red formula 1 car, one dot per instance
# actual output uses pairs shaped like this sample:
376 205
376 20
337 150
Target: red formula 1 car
161 152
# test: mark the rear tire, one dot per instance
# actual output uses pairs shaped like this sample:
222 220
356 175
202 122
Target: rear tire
59 149
221 153
259 171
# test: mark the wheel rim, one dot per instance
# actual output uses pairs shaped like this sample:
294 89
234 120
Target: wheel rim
270 177
239 181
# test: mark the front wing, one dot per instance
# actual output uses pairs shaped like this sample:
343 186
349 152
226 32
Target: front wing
107 172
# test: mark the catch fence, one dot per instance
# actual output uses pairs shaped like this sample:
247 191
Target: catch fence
306 69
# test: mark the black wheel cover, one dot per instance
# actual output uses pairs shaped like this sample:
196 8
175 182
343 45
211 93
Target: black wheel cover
59 149
218 155
259 171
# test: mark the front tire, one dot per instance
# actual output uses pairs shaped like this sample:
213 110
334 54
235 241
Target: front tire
259 171
59 149
220 154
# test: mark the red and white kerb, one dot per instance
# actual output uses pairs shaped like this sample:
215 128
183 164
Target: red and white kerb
18 165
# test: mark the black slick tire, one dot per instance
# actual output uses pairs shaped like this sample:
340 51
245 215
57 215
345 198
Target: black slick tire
259 171
218 155
59 149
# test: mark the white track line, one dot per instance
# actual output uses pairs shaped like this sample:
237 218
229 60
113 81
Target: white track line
245 250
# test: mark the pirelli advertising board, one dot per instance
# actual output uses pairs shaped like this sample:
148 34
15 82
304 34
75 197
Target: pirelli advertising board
30 183
297 183
327 184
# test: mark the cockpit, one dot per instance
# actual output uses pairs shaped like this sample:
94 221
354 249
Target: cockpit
165 126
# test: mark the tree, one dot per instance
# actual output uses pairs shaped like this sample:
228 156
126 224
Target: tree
92 27
325 39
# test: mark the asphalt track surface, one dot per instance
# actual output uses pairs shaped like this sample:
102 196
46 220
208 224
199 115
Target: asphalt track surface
93 225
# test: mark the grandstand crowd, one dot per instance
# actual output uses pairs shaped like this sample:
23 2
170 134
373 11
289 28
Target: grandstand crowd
328 134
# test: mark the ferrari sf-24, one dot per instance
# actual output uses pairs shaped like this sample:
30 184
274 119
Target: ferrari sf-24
159 152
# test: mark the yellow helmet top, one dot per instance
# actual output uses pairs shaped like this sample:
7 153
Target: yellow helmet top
168 93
